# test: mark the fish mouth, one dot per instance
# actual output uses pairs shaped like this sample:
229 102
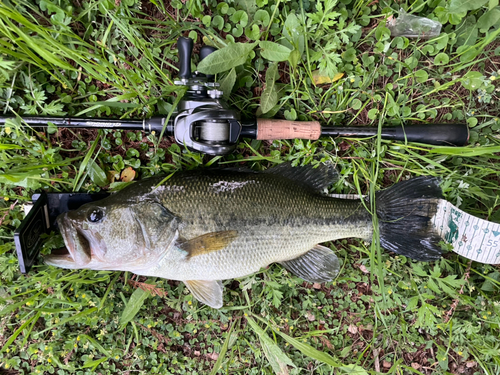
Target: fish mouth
78 252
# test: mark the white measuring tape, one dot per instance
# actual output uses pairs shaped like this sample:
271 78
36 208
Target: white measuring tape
471 237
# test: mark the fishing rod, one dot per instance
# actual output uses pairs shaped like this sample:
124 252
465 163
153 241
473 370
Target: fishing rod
204 122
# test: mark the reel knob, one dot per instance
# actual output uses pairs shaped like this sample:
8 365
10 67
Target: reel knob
185 48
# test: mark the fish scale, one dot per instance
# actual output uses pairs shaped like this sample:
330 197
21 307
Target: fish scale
277 219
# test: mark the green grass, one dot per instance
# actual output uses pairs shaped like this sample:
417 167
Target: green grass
384 313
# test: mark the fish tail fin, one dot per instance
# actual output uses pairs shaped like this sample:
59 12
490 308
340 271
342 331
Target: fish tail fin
404 214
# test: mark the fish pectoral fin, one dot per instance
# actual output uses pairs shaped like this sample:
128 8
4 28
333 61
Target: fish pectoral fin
208 292
318 265
207 243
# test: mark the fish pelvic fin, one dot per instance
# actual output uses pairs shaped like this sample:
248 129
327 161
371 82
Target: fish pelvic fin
208 242
208 292
404 213
318 265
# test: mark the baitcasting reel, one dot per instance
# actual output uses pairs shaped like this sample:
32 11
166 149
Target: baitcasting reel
204 121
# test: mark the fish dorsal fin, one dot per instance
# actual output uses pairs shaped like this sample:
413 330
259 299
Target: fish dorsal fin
208 292
318 265
208 242
315 177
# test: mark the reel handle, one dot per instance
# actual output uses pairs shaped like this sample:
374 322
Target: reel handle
185 48
205 51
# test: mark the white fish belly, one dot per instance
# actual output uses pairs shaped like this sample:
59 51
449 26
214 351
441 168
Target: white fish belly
255 249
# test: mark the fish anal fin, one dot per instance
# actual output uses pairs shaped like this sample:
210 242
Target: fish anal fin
208 292
318 265
208 242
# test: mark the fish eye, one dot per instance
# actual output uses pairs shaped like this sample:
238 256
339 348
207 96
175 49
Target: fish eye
95 215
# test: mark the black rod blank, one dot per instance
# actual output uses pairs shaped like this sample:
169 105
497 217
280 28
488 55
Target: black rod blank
152 124
433 134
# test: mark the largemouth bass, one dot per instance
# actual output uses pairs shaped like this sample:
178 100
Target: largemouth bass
205 226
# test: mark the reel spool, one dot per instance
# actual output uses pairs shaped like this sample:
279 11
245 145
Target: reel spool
213 131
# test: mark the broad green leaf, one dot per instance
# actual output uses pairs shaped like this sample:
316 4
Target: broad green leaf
237 30
421 76
96 174
240 16
412 62
277 359
428 49
372 113
356 104
468 32
262 16
291 114
269 96
459 6
250 6
26 180
253 33
117 186
472 121
293 33
218 22
472 80
227 83
226 58
470 54
441 41
491 280
349 55
274 51
133 306
222 8
441 59
382 33
206 20
488 19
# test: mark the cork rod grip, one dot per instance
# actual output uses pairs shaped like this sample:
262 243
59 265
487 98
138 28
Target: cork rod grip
269 129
